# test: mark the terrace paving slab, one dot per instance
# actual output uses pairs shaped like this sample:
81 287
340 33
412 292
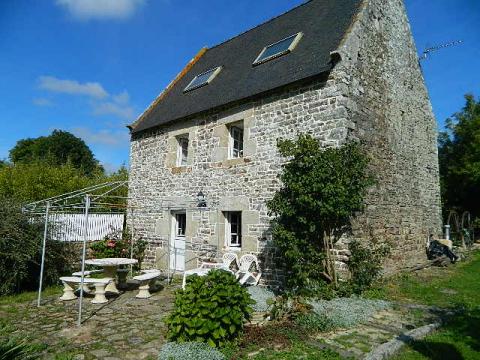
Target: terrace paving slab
124 328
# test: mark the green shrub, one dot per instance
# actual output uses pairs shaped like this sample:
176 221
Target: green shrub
117 245
287 308
20 251
189 351
211 309
315 322
365 265
322 189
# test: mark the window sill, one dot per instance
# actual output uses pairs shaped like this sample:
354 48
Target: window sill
232 249
237 161
181 169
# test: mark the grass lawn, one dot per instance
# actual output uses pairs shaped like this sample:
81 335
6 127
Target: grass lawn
456 287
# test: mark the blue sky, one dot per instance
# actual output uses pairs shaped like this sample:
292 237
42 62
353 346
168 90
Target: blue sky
91 66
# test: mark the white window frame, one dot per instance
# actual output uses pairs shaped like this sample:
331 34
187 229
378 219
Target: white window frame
228 230
181 159
209 80
298 37
236 153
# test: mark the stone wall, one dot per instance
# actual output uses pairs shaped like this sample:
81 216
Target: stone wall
375 93
158 187
387 100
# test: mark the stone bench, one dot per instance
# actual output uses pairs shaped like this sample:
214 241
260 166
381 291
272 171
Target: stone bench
87 273
70 282
145 281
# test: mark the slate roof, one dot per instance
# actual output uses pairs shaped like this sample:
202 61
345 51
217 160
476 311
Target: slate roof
323 24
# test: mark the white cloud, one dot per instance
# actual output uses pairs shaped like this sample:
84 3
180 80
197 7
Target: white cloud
42 102
119 106
122 98
100 9
73 87
112 108
111 138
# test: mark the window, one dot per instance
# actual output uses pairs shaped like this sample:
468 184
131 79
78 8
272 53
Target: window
202 79
277 49
180 224
235 146
233 229
182 150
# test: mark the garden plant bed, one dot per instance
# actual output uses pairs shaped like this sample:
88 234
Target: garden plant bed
129 328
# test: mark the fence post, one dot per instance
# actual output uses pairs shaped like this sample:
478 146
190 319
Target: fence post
44 245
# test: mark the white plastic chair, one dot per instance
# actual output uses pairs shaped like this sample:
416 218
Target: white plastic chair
227 260
244 274
230 258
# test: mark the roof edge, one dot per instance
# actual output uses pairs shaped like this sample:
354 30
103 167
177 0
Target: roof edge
177 78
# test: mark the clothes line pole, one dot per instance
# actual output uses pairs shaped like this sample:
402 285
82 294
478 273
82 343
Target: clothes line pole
84 251
44 245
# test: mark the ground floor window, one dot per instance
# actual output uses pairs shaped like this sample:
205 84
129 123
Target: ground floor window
233 229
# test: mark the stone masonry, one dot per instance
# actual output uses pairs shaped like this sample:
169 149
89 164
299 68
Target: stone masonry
375 93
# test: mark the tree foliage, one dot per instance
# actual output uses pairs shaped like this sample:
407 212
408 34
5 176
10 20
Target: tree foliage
20 251
322 189
37 181
459 155
59 148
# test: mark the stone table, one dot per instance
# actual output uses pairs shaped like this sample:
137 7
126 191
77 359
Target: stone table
110 266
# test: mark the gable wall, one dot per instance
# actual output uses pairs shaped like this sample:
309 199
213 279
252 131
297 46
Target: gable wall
388 101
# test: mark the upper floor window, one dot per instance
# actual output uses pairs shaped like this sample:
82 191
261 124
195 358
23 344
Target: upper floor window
235 146
182 150
233 229
277 49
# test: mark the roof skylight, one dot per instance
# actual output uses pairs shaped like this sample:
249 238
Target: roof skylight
202 79
277 49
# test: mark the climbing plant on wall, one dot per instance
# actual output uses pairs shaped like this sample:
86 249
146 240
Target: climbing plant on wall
322 189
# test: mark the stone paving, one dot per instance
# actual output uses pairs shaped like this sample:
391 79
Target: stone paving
125 328
130 328
385 325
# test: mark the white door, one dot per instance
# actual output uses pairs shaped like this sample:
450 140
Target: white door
177 242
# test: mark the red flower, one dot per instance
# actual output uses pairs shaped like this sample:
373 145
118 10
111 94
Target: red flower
111 243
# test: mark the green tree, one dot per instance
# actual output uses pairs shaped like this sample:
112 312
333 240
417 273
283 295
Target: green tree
459 156
59 148
20 245
322 189
37 181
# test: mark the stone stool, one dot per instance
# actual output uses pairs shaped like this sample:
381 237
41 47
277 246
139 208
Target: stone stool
145 281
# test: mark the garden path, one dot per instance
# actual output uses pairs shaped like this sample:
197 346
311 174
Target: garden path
125 328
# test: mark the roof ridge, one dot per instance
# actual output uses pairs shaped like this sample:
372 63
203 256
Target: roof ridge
257 26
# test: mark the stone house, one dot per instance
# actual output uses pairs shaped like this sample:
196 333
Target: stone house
338 69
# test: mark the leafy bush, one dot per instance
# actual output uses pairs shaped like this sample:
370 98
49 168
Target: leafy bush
117 245
286 307
211 309
322 189
260 296
189 351
20 251
365 265
315 322
348 312
19 349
